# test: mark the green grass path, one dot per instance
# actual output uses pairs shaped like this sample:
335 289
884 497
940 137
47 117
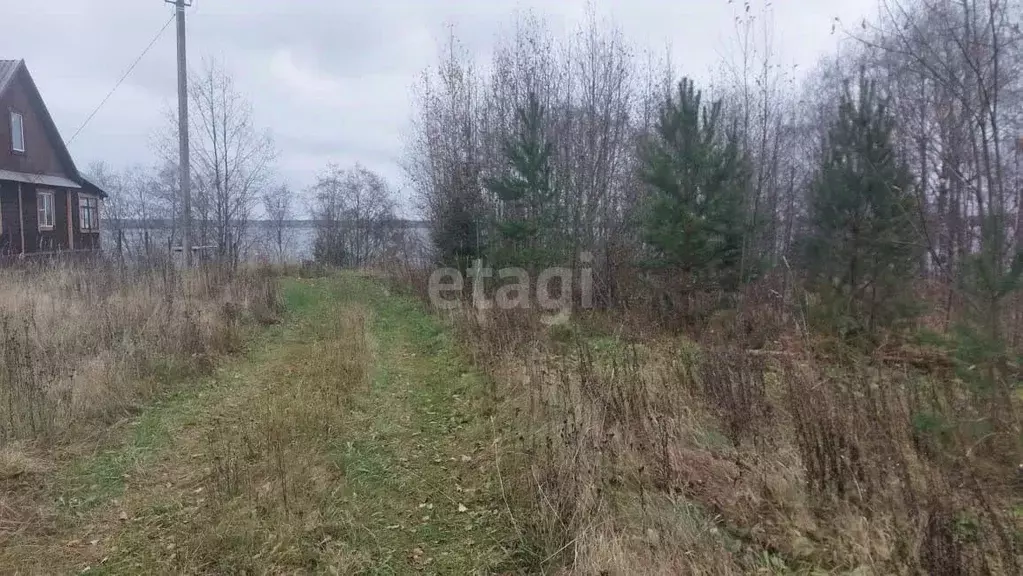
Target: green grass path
422 464
401 479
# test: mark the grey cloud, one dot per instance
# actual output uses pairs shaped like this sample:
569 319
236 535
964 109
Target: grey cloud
329 78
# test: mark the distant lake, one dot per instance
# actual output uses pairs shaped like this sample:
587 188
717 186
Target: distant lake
261 238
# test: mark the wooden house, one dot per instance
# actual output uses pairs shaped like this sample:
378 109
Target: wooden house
46 206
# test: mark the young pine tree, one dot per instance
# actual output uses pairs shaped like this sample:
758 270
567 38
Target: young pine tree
528 220
697 179
862 247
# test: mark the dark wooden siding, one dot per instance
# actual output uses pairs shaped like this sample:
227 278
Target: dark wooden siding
10 234
39 157
37 240
28 199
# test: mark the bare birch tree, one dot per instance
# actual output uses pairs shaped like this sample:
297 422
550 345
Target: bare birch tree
232 160
955 69
444 157
278 204
354 213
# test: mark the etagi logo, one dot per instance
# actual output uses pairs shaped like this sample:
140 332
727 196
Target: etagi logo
552 291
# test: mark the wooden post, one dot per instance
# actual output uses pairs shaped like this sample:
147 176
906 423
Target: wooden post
70 228
21 220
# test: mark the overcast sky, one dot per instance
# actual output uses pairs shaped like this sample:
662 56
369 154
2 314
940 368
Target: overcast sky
331 78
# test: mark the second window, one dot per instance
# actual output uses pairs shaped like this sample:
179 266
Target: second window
44 203
88 216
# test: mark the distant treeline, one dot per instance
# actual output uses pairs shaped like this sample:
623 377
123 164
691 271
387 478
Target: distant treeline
167 223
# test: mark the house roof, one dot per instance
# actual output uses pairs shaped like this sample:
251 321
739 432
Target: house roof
41 179
90 188
9 70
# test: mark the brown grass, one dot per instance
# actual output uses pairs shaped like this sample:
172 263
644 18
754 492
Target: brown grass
90 343
642 452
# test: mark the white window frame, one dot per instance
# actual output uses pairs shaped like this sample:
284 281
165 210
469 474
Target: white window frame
18 134
83 200
41 196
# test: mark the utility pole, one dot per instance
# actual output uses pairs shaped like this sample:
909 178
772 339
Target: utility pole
184 170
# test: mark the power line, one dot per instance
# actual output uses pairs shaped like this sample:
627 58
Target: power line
121 80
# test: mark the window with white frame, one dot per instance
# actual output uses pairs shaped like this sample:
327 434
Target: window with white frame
88 213
17 132
44 204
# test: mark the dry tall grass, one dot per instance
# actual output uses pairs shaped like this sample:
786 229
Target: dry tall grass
89 342
758 448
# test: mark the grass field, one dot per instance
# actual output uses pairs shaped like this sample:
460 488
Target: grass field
362 434
351 438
